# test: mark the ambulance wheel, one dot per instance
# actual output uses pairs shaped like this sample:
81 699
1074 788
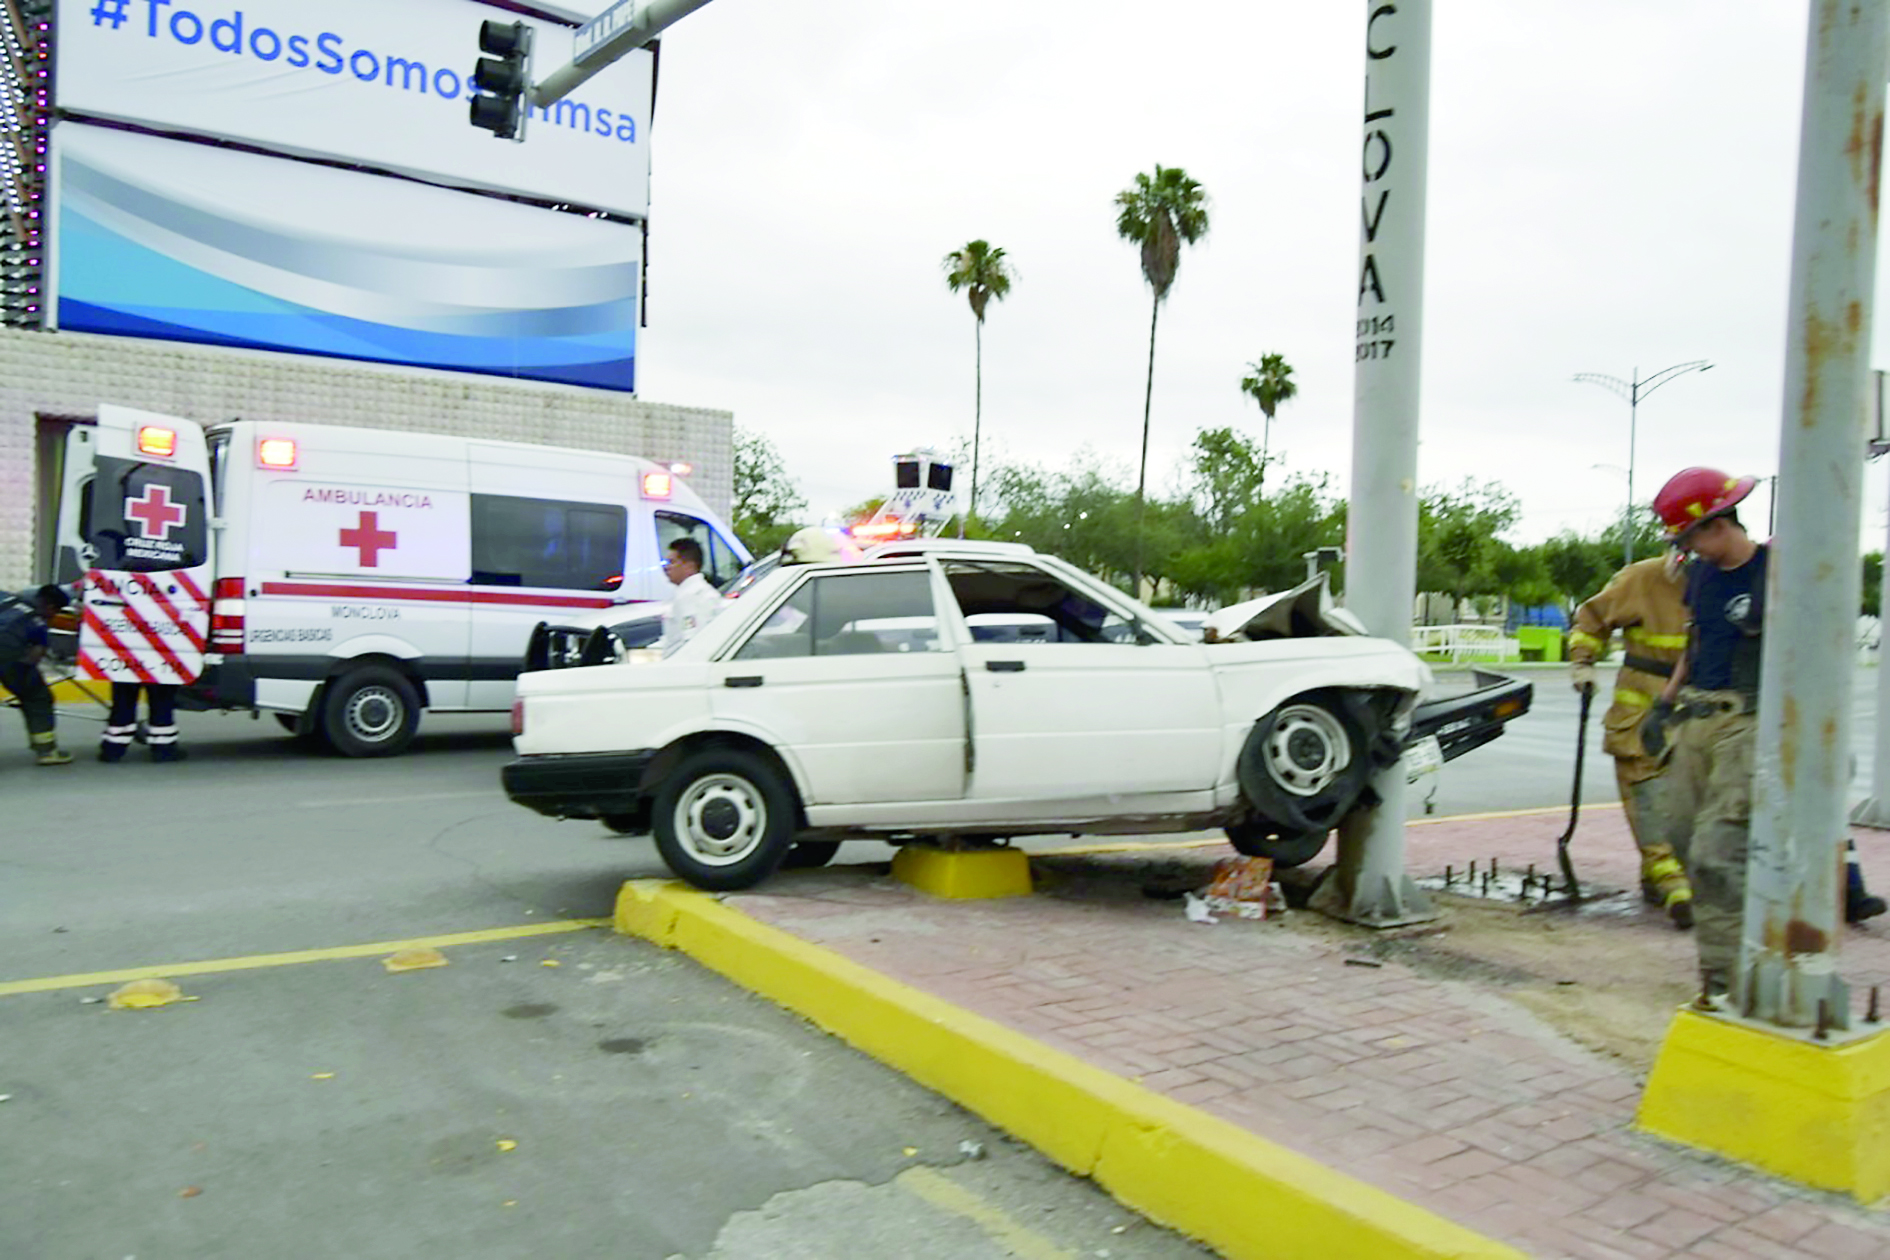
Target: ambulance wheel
1304 764
1254 838
724 819
370 712
811 853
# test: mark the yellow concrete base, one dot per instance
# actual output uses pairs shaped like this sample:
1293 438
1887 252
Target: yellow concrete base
980 873
1812 1113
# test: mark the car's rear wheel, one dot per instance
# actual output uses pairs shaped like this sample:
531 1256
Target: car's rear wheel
1255 838
724 819
1304 765
811 853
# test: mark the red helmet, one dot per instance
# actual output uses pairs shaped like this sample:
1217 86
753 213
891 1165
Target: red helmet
1694 496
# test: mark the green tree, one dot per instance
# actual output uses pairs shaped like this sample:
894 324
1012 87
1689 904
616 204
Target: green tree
980 271
1158 213
1269 382
1458 543
1577 567
767 504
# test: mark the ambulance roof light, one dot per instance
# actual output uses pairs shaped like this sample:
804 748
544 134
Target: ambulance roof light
656 485
153 440
682 468
276 453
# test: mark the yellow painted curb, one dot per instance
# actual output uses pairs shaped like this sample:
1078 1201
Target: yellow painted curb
978 874
1815 1114
1246 1197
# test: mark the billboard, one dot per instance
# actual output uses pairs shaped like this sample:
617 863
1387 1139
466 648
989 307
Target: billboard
190 242
367 82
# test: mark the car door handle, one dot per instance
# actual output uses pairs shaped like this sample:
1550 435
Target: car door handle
742 680
1005 667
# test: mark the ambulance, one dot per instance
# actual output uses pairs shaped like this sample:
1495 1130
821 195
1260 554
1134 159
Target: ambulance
347 579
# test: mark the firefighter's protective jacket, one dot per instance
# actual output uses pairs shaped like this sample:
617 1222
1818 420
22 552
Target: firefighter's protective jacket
1646 601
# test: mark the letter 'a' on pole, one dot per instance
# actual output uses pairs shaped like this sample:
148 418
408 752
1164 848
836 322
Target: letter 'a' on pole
502 79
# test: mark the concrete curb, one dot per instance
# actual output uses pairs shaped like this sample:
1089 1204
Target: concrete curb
1248 1198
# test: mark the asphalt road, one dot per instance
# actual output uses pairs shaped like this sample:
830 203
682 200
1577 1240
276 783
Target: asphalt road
331 1108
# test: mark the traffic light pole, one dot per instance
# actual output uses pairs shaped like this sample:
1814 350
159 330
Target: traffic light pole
626 27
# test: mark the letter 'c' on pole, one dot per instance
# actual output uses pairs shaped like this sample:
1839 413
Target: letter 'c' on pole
1378 54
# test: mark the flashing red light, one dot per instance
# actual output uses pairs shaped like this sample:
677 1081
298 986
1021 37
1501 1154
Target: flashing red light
276 453
153 440
882 530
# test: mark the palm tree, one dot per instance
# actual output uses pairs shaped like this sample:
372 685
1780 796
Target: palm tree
1270 384
1158 213
980 270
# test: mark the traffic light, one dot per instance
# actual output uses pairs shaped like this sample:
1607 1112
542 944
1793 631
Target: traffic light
502 81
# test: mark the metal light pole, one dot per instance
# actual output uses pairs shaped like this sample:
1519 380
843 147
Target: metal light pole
1788 957
1368 884
1634 390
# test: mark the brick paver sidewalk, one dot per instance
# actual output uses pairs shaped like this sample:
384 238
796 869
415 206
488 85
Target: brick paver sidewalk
1436 1090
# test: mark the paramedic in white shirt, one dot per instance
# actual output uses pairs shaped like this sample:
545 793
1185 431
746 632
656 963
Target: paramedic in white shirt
695 600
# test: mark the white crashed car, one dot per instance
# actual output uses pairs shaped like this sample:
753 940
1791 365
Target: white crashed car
855 700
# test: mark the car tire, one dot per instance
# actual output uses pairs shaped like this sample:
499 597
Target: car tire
724 819
811 853
1304 765
1253 838
370 712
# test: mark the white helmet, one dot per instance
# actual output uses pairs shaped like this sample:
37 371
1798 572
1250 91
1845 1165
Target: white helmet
812 545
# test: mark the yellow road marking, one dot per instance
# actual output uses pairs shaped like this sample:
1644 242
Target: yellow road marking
86 979
942 1192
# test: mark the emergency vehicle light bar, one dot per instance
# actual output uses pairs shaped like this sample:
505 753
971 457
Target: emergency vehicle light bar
153 440
276 453
656 485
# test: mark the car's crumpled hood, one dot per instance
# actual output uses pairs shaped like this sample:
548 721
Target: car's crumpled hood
1305 612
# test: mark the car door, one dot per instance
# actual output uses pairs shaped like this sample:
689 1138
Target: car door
845 680
1092 712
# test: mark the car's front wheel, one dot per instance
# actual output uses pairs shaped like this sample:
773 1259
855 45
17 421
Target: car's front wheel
1255 838
724 819
1305 764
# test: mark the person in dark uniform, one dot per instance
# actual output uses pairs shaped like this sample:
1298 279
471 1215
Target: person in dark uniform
122 727
23 619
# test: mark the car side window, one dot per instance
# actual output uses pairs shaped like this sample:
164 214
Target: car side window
850 614
720 562
1012 602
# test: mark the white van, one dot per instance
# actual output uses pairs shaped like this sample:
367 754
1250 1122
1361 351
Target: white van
345 579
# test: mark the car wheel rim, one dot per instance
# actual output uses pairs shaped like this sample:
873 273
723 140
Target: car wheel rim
721 819
1306 750
374 714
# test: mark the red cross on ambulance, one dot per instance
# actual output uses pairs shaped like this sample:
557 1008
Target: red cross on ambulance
369 539
155 513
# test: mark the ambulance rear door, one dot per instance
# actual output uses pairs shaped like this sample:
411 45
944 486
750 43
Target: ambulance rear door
146 547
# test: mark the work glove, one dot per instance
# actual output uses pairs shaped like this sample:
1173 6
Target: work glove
1582 674
1654 728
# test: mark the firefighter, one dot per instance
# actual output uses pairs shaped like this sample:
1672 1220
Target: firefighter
1708 713
1645 601
23 620
160 729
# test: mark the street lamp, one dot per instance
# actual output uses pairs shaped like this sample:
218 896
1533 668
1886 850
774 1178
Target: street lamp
1634 390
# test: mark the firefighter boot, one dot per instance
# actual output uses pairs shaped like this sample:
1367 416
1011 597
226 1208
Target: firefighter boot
1662 872
46 749
1859 904
116 742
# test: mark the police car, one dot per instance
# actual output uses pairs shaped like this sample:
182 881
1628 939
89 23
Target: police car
839 701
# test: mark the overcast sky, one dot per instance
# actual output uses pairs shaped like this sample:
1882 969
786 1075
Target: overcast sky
1611 186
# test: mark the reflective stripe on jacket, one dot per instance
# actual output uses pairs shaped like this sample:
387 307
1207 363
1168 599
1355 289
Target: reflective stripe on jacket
1646 602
